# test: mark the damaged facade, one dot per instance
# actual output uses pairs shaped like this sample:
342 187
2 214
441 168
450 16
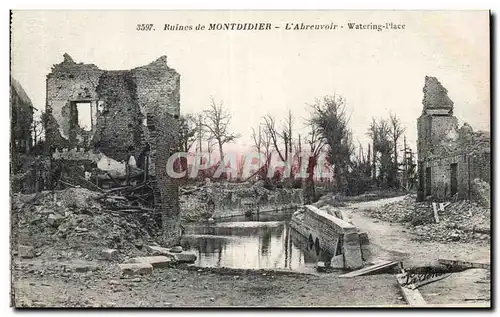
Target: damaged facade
21 110
106 116
450 157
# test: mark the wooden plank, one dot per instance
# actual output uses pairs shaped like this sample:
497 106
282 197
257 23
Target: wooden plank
413 297
442 206
468 264
370 269
436 216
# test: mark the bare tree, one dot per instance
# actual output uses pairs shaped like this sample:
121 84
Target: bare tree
262 143
187 132
397 131
266 146
286 134
272 132
217 121
37 130
298 151
257 140
240 168
372 133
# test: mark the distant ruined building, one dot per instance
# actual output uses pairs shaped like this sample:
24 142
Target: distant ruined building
105 116
450 158
21 115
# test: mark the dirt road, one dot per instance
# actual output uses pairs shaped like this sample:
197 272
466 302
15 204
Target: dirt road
392 241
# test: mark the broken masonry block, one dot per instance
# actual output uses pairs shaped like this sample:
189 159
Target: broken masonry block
176 249
157 261
363 238
26 251
83 267
337 262
156 250
184 257
365 246
352 251
110 254
136 268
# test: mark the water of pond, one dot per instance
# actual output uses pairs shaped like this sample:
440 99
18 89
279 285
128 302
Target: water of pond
264 241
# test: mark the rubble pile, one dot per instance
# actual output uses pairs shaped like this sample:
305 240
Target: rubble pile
480 191
200 201
460 221
404 211
195 203
77 223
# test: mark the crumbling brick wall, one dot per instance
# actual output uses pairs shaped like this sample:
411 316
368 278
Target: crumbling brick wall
119 125
158 92
69 82
129 109
433 131
450 158
470 166
163 129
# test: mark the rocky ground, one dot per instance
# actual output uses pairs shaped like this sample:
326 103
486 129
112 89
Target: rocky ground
75 223
460 221
58 238
395 241
44 284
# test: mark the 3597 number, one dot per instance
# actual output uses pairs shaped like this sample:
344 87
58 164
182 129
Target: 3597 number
144 27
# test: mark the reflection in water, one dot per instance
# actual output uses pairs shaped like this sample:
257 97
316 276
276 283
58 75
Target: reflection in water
265 241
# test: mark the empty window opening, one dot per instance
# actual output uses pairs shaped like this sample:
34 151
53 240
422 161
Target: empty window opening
84 114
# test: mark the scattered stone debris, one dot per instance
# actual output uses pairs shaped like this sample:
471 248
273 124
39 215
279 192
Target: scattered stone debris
81 266
180 256
85 226
460 221
481 192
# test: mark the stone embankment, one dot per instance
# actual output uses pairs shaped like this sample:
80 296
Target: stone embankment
219 200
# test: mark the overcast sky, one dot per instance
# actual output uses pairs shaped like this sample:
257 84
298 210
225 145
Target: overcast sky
261 72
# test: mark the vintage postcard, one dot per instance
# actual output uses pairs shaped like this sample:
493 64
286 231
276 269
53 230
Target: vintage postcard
250 159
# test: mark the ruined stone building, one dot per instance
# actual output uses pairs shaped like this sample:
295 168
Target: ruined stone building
105 116
21 112
450 157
